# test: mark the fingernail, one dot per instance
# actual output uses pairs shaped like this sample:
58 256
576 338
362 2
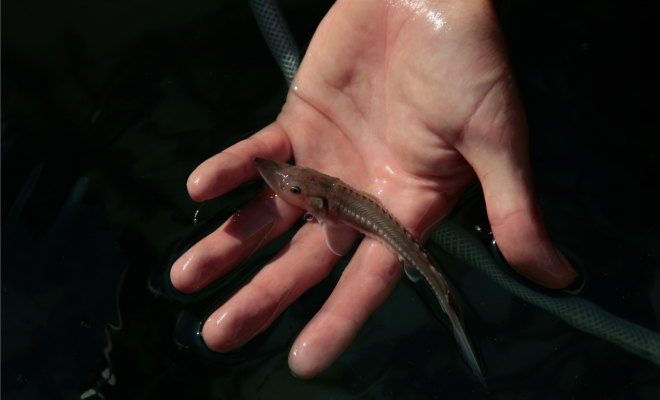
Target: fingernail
563 258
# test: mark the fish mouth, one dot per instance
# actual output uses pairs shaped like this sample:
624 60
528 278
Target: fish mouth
272 171
265 165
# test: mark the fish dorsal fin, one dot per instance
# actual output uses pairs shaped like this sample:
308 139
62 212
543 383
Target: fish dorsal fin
339 237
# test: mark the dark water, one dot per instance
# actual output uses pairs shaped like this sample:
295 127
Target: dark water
108 106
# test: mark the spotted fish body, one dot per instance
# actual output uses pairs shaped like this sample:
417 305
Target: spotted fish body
342 211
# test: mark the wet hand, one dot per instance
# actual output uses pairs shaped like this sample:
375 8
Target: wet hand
408 101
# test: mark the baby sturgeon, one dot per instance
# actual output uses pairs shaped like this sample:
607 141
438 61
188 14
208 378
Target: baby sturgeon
341 210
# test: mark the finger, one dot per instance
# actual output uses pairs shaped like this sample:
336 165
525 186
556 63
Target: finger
517 223
263 219
369 279
304 262
225 171
502 164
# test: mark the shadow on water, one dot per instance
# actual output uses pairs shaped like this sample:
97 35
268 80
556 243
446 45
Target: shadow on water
107 108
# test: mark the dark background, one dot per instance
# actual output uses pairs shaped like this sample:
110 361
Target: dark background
107 106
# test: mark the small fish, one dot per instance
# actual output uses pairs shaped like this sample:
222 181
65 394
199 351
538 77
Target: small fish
341 210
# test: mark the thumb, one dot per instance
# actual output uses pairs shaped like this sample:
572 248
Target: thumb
515 215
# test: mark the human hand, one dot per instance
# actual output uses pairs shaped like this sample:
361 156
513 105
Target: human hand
407 101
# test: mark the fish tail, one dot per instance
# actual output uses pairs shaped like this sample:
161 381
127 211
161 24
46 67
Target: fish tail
466 348
450 307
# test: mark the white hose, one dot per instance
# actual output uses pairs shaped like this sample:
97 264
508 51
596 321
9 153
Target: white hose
278 36
575 311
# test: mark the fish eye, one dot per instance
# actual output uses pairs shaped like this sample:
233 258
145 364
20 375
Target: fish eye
295 190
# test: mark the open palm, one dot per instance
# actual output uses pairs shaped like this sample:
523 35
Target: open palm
408 101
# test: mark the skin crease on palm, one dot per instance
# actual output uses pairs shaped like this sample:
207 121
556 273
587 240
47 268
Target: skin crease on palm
409 101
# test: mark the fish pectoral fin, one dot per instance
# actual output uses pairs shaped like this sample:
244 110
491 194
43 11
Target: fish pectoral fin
412 273
339 237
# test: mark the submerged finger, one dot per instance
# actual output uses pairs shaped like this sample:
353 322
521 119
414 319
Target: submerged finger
505 172
517 223
304 262
263 219
369 279
232 167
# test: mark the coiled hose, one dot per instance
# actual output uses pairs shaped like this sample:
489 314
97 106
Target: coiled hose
278 36
575 311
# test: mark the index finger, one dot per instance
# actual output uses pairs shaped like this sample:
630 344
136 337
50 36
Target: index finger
232 167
